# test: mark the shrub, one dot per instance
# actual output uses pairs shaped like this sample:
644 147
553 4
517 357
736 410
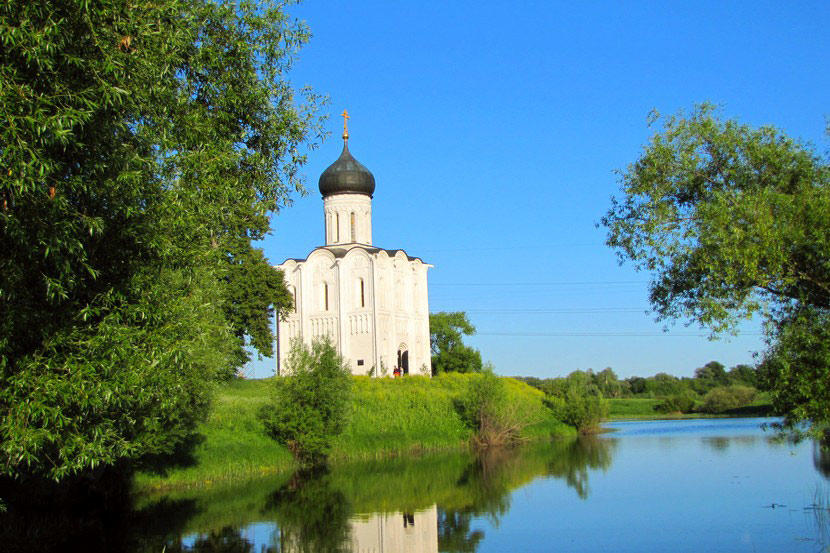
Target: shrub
724 398
485 409
577 407
676 404
309 407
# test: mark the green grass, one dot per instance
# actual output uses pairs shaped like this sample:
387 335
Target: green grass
233 443
456 480
643 408
389 417
633 408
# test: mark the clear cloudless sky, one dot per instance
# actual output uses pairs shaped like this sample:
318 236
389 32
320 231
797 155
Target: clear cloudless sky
494 130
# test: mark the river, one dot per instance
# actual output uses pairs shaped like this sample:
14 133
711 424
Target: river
688 485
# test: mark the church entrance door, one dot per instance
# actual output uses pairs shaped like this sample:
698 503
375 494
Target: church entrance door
403 359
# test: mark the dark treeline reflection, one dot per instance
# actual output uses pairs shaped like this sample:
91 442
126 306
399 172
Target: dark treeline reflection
577 457
312 514
495 473
722 443
821 458
224 540
435 498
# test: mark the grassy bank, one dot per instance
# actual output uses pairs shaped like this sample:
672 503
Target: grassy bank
389 417
643 409
633 408
457 481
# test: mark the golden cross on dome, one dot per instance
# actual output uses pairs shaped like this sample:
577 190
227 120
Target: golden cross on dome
346 118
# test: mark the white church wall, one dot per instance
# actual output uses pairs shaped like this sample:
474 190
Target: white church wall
348 219
321 298
360 330
358 343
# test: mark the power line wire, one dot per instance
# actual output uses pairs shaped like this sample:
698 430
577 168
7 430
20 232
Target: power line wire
609 334
553 283
563 310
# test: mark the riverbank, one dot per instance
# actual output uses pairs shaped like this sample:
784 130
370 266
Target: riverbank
643 409
390 417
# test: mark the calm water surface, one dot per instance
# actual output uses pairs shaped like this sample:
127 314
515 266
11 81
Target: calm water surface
691 485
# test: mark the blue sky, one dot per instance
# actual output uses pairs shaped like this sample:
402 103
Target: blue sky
494 130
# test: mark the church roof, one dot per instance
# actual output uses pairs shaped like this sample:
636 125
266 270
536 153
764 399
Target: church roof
346 176
341 251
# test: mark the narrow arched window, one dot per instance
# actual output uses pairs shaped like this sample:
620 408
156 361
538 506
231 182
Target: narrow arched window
362 294
337 227
353 227
325 296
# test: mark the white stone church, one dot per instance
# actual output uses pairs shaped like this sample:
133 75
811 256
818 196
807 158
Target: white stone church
371 302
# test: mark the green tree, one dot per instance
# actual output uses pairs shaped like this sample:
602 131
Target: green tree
143 148
663 384
676 404
796 368
732 221
486 408
449 353
637 384
579 407
743 374
712 371
310 407
724 398
608 383
253 290
709 376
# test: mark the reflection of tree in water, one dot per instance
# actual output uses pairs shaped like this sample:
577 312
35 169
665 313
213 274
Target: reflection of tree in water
488 481
491 478
821 458
226 540
571 460
716 443
454 534
87 512
722 443
312 516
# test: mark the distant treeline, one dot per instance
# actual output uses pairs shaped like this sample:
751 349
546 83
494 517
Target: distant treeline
713 389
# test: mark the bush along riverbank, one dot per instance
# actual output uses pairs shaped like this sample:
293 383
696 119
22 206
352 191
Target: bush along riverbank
674 408
388 417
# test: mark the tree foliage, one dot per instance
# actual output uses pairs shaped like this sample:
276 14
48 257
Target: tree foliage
310 407
725 398
676 404
449 353
143 148
731 221
487 410
578 406
796 369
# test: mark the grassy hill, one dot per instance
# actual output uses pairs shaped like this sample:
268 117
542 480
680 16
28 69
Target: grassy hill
389 417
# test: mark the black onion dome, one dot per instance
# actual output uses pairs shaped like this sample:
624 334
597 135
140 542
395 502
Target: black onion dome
346 176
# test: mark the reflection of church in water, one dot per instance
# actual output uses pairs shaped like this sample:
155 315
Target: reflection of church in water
370 302
384 533
396 532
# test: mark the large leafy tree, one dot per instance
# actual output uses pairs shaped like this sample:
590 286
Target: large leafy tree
143 147
449 353
733 221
